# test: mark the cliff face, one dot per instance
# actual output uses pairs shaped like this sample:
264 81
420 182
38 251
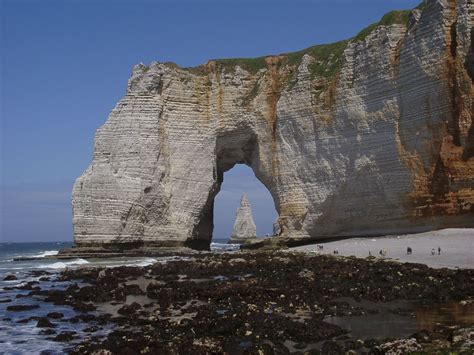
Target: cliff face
367 136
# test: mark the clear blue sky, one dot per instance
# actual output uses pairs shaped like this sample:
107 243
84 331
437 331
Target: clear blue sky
65 63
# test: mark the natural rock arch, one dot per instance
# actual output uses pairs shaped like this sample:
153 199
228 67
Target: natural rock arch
232 148
352 138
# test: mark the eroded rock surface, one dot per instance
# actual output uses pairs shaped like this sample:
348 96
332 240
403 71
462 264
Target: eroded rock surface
368 136
244 226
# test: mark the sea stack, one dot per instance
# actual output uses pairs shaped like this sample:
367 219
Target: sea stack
244 226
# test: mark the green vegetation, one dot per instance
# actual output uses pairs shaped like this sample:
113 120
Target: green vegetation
394 17
365 32
327 56
252 65
251 95
328 59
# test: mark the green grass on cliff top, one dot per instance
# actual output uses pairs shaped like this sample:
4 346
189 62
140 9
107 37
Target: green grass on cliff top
392 18
327 55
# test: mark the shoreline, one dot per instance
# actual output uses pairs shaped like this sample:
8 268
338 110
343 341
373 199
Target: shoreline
456 248
280 301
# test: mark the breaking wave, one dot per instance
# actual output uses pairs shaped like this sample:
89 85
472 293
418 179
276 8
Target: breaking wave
63 264
142 263
224 247
46 253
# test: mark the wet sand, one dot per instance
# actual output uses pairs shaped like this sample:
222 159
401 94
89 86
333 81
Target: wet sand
457 248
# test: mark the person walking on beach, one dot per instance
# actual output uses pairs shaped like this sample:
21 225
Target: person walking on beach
439 250
433 251
409 251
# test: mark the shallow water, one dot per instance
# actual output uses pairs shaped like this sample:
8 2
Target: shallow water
23 337
382 323
447 314
387 322
19 338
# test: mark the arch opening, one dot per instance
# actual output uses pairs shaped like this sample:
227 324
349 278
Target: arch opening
238 180
237 148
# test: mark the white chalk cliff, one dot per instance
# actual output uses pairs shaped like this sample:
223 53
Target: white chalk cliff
244 226
368 136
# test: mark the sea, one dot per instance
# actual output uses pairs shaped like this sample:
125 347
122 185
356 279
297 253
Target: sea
18 331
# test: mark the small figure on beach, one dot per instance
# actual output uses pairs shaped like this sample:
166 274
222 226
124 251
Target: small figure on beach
433 251
336 252
439 250
381 252
409 251
320 247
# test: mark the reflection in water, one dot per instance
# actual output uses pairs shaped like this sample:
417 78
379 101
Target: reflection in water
373 326
447 314
384 320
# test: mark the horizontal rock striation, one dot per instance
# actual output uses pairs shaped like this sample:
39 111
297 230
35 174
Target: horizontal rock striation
367 136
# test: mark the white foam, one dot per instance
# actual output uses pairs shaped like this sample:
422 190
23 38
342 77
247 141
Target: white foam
142 263
47 253
224 247
63 265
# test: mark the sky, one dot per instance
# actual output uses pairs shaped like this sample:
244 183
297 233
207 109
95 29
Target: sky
64 64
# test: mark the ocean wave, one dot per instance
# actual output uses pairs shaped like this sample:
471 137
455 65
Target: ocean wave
63 265
224 247
46 253
142 263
